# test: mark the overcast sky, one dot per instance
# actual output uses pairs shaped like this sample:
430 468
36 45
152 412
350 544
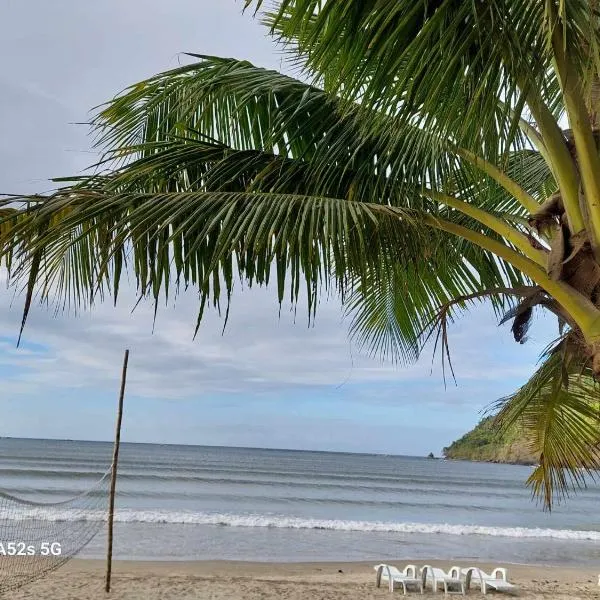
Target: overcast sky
268 381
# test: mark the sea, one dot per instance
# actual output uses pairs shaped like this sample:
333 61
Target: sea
197 502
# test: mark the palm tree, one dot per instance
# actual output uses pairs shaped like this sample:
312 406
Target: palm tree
426 166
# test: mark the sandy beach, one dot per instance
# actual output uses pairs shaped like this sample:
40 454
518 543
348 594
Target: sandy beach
216 580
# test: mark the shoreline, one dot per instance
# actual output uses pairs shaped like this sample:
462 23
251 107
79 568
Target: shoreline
223 579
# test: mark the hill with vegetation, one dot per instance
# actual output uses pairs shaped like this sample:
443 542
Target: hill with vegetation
486 443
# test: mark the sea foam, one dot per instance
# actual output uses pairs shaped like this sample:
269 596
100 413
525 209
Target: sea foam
287 522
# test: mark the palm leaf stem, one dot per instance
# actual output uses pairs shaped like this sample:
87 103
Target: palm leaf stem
527 201
559 159
583 311
523 290
496 224
534 136
579 120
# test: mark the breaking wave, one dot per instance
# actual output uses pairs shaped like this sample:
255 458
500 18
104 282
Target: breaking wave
284 522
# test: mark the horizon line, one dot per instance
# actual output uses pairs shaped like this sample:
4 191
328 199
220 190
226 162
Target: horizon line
8 437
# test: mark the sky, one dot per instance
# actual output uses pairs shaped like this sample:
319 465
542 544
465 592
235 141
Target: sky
268 380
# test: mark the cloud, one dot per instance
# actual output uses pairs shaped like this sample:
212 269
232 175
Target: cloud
258 352
266 381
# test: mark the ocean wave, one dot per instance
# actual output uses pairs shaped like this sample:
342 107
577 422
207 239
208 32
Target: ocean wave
284 522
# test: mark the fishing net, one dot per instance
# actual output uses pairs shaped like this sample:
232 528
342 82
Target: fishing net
36 538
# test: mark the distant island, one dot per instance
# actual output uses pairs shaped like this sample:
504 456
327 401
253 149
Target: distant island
485 443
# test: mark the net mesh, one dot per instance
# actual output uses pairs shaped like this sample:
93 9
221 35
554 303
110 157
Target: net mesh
36 538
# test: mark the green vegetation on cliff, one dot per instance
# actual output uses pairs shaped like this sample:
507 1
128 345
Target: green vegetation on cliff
486 443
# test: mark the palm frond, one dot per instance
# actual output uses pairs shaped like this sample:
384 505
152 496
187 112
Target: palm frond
224 126
558 412
243 107
78 242
451 61
338 163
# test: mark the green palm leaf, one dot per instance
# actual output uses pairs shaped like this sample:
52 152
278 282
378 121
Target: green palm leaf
451 60
202 238
326 156
222 127
558 412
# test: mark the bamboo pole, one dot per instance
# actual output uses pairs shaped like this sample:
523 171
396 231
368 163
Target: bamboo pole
113 476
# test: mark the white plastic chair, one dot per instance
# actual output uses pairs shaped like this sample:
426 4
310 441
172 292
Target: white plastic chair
498 580
407 577
437 577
